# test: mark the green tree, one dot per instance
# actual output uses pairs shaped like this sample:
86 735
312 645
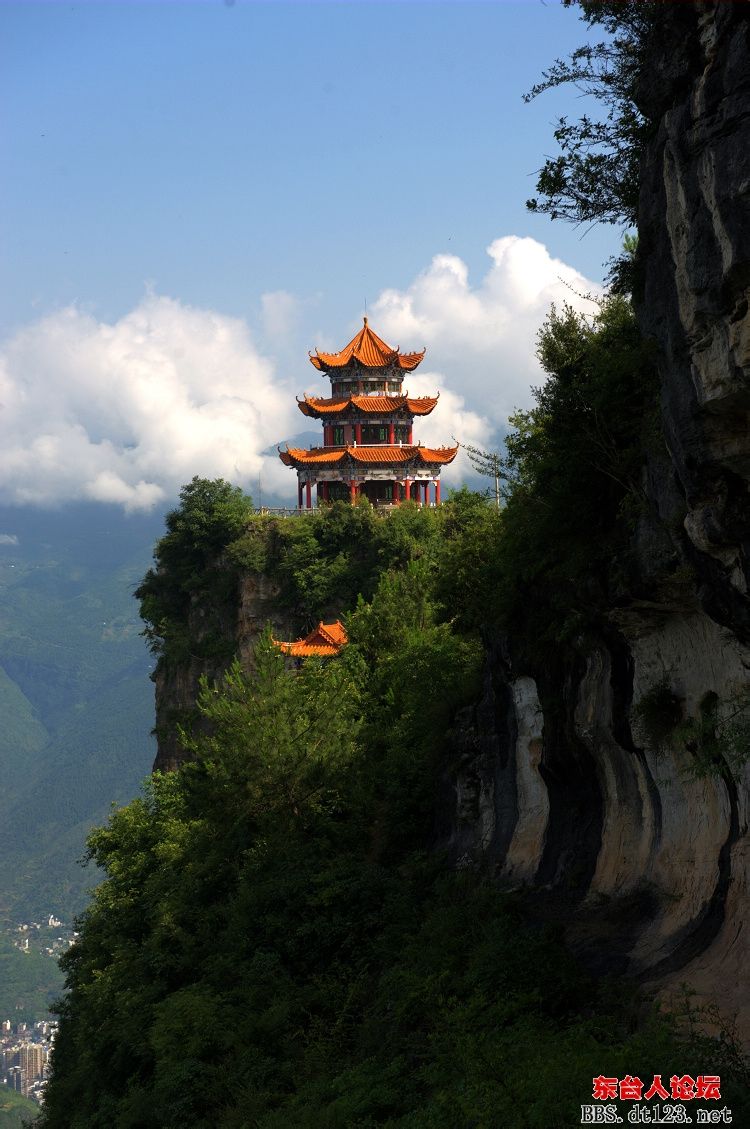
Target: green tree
595 176
573 482
154 977
16 1112
211 516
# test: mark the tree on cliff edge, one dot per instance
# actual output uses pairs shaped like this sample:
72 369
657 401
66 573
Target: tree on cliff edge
211 515
595 176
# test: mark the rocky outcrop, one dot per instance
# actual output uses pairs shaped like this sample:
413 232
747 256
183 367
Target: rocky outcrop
694 229
233 628
623 835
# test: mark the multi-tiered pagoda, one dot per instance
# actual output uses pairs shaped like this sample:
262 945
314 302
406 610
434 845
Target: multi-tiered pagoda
368 446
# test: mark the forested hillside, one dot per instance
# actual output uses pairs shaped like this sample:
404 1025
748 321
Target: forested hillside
75 695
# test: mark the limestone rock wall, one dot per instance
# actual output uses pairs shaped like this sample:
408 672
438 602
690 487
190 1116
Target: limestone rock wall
240 624
609 830
695 242
694 230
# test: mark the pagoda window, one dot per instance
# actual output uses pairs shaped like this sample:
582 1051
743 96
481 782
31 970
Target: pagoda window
338 437
374 434
402 433
393 386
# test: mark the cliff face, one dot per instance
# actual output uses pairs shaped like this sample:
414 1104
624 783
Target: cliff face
561 788
239 622
695 232
637 839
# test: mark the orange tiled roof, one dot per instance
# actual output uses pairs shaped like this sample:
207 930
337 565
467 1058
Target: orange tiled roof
335 631
370 350
381 405
437 454
324 640
294 455
319 456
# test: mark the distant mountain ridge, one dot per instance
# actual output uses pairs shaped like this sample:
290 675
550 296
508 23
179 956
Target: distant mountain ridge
75 697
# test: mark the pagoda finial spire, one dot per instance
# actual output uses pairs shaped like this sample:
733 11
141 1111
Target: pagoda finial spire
365 319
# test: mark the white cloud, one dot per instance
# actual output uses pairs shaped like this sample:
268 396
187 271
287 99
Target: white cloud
450 418
128 412
483 339
8 539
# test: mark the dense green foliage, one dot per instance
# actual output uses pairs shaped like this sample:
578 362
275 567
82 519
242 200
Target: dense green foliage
191 567
16 1111
546 569
322 561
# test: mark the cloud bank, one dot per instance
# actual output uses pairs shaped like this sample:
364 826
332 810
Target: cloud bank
127 412
482 340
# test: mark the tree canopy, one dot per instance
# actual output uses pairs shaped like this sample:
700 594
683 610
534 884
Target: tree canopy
595 176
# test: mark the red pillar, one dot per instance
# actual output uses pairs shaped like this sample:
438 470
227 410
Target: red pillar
411 434
308 495
358 434
392 434
353 491
299 494
326 491
406 489
437 491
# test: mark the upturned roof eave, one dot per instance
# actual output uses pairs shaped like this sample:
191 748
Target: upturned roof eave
318 407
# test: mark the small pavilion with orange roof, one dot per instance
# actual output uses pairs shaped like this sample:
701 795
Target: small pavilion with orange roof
368 448
325 640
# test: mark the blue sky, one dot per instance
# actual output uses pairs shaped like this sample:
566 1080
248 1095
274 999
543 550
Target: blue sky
320 155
